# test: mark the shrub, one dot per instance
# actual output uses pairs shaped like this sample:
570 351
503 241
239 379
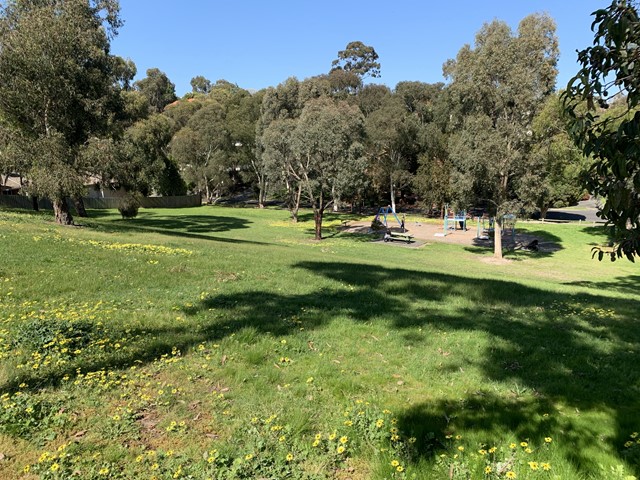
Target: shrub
129 206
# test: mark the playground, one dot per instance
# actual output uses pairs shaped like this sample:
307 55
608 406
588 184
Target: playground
424 232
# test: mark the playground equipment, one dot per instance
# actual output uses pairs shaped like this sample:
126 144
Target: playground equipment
452 219
486 226
385 211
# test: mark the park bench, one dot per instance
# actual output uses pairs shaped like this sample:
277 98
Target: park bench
403 236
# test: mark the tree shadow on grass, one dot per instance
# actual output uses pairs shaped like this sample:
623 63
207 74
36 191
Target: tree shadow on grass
629 284
514 248
185 226
565 349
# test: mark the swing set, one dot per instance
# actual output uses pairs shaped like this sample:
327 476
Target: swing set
387 211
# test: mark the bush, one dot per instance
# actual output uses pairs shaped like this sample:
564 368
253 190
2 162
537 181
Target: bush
129 206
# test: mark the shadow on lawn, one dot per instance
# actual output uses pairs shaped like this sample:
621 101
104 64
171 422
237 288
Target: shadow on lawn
542 344
548 244
185 226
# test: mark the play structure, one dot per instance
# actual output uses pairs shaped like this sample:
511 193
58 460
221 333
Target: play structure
486 226
454 219
387 211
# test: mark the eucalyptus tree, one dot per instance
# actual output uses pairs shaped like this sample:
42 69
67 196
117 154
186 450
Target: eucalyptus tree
201 149
497 88
328 152
359 59
392 135
281 106
200 84
560 164
158 89
58 86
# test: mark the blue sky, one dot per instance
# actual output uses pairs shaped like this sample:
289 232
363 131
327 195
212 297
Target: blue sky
257 44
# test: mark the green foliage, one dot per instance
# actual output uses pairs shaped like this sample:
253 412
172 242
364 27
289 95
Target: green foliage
157 88
610 72
59 85
496 90
358 58
24 416
129 206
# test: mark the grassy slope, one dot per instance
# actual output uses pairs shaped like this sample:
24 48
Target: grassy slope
269 322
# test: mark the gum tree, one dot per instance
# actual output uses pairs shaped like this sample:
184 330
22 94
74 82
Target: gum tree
58 86
496 90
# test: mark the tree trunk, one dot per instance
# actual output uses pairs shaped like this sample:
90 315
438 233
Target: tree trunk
61 212
79 204
393 196
543 212
317 217
497 238
336 200
262 193
34 202
296 205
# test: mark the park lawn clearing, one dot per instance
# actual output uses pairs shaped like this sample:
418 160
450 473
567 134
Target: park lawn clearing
220 342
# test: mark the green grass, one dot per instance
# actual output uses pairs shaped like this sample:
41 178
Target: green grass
226 343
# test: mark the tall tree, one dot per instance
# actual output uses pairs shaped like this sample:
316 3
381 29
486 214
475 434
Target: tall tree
328 150
58 83
158 89
393 146
281 106
497 88
200 84
202 150
559 165
358 58
610 69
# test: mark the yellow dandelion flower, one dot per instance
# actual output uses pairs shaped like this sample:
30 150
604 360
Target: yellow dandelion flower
379 423
533 465
344 440
340 449
633 435
248 456
103 471
548 440
458 437
524 444
528 450
316 443
333 436
482 451
55 467
155 466
282 438
318 436
400 468
511 474
546 467
289 457
461 448
26 468
395 463
412 440
487 470
512 445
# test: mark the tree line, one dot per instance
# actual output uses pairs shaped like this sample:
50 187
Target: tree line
496 135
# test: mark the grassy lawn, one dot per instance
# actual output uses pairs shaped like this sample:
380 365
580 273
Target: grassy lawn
225 343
